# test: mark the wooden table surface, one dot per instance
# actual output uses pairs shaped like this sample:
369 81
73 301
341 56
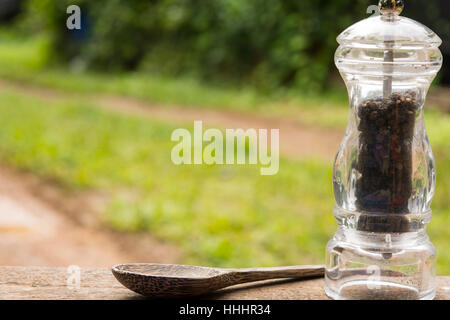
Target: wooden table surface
55 283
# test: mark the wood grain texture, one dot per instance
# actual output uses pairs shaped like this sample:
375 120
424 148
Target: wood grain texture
50 283
171 280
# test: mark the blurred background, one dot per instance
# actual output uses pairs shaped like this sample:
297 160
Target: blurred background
86 117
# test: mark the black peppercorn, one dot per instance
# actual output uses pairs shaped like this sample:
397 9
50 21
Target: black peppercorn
384 187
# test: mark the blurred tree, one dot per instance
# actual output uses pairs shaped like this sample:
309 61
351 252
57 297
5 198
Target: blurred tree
265 43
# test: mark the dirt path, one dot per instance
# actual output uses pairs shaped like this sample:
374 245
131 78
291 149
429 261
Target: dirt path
296 140
439 97
42 225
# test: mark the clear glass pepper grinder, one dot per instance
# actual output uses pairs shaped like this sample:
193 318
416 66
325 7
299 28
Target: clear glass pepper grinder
384 172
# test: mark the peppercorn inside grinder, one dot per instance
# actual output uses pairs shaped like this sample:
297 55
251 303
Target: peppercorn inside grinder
384 172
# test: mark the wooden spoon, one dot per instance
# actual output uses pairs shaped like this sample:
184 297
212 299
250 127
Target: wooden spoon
172 280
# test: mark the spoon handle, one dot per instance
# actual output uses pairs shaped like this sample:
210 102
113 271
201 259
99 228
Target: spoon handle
237 276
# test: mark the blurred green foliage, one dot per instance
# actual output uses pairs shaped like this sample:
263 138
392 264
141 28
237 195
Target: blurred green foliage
266 43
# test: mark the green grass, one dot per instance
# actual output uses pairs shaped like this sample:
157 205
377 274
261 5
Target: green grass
219 215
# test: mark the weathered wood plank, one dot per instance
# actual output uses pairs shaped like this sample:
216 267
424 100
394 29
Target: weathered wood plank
51 283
